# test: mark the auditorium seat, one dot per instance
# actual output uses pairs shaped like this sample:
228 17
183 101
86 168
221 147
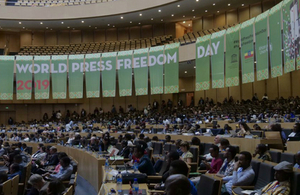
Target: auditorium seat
208 185
289 157
265 175
295 187
255 166
275 155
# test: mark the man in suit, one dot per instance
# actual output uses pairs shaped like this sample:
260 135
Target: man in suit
53 161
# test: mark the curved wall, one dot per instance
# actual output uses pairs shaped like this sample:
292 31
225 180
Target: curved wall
75 12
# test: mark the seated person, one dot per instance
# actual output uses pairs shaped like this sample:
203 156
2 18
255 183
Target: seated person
296 131
94 144
53 159
263 153
224 143
281 186
177 185
228 164
64 172
216 162
244 130
105 143
243 174
41 155
39 184
217 141
55 187
177 144
297 158
125 149
14 170
144 165
186 156
167 139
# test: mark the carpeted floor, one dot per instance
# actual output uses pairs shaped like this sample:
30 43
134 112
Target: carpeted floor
84 187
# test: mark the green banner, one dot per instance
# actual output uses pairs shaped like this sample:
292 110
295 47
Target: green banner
140 65
275 40
247 51
232 56
125 73
171 68
108 64
59 76
217 59
41 77
24 77
262 46
156 62
291 39
76 70
92 75
203 51
7 77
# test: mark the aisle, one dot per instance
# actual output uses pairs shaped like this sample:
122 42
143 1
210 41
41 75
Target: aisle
83 187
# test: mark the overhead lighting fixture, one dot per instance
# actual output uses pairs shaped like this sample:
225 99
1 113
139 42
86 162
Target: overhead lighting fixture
141 14
242 4
41 22
194 16
228 4
205 10
183 16
218 11
178 5
51 29
193 10
23 27
121 17
255 62
90 26
197 0
130 22
113 26
108 24
194 66
96 27
159 10
162 20
214 4
139 23
47 27
172 15
82 21
20 22
62 22
185 72
189 24
68 27
183 22
151 18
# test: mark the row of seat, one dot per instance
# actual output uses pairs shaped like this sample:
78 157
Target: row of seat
85 48
278 156
10 187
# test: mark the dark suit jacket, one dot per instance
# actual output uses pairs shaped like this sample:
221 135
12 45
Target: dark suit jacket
53 161
125 152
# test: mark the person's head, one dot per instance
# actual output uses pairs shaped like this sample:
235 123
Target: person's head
177 185
297 157
18 159
244 126
196 141
127 136
3 177
53 150
261 149
141 136
172 156
296 128
217 140
139 150
214 151
224 143
177 143
178 167
276 127
43 149
14 168
168 138
230 152
36 181
40 145
55 187
283 171
184 146
245 159
65 161
154 138
61 155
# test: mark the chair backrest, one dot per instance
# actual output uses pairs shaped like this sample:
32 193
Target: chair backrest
206 147
288 157
255 166
150 152
173 147
295 187
265 175
69 191
75 165
29 150
14 185
275 155
208 186
6 187
157 147
195 151
237 148
163 168
167 147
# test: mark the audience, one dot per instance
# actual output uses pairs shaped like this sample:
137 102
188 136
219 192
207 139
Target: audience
14 170
262 151
144 165
186 156
65 171
216 162
228 164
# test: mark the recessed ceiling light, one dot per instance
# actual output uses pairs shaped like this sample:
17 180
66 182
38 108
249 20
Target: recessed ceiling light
214 4
139 23
23 27
68 27
20 22
162 20
193 10
255 62
95 27
62 22
141 14
218 11
90 26
183 16
197 0
189 24
159 10
73 28
108 24
51 29
130 22
242 4
185 72
82 21
151 18
178 5
41 22
172 15
194 66
121 17
113 26
47 27
183 22
228 4
194 16
205 10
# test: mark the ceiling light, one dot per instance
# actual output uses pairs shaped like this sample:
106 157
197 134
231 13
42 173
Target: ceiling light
151 18
82 21
68 27
194 16
183 22
255 62
183 16
141 14
113 26
228 4
242 4
162 20
197 0
51 29
90 26
194 66
41 22
178 5
121 17
218 11
95 27
47 27
185 72
172 15
214 4
193 10
108 24
159 10
189 24
23 27
130 22
62 22
139 23
205 10
20 22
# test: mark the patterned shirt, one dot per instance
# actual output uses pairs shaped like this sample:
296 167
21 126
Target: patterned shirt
276 188
227 168
266 156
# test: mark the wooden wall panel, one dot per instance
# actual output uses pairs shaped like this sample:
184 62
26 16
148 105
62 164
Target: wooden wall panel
219 20
222 93
88 36
211 94
208 23
135 32
123 34
255 10
142 102
187 84
284 85
111 34
259 88
146 31
2 39
63 38
268 5
38 38
170 29
25 38
243 14
247 91
235 92
272 88
295 83
50 38
99 35
197 25
232 17
158 29
14 42
75 36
